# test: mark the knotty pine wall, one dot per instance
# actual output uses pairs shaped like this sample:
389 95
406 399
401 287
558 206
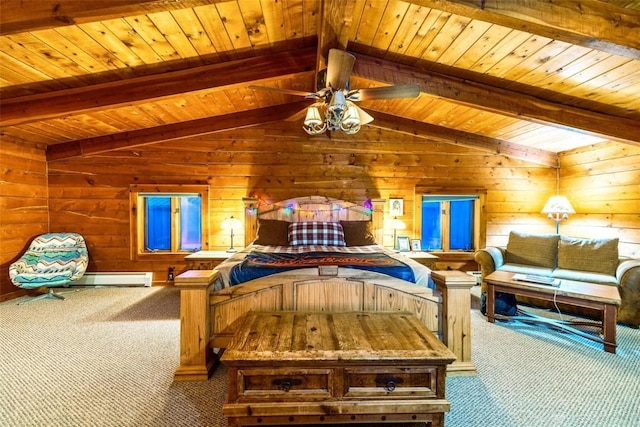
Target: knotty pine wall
603 184
24 210
90 195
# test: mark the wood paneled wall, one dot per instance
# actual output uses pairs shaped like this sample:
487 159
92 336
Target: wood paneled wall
603 184
90 195
24 211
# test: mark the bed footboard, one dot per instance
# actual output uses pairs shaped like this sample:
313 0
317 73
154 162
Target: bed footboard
302 293
196 358
208 318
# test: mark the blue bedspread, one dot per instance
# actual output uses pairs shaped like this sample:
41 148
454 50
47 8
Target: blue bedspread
260 264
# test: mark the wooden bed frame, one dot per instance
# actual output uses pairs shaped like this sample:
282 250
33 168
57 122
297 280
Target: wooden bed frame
208 318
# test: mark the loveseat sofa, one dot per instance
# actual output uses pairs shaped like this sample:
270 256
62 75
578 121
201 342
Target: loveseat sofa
562 257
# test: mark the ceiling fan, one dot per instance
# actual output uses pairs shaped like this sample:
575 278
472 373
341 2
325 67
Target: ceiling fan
335 101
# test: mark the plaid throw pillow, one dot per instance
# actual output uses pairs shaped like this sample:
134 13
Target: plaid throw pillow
316 233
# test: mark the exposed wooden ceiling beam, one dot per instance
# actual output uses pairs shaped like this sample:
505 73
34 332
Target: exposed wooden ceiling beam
172 132
22 16
465 139
144 89
594 24
335 24
499 100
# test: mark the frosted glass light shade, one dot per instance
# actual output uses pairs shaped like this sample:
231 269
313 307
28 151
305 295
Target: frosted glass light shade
351 121
398 224
231 223
313 117
558 204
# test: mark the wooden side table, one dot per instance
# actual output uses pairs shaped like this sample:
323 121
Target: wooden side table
455 288
605 298
206 260
424 258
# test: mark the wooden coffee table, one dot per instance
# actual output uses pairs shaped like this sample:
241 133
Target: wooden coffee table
330 368
604 298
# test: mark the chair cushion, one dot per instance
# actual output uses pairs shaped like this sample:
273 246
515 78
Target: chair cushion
594 255
37 280
540 250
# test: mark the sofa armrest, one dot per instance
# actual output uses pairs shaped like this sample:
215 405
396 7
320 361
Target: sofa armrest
626 266
628 275
489 259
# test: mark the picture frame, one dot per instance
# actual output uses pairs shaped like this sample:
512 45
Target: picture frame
403 244
396 207
416 245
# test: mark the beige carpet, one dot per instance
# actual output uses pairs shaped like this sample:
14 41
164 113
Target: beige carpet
106 357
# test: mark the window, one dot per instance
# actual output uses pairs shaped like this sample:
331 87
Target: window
168 220
450 222
172 222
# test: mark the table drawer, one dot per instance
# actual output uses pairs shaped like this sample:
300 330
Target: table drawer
390 382
284 383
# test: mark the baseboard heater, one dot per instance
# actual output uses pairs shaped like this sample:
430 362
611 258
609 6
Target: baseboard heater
115 279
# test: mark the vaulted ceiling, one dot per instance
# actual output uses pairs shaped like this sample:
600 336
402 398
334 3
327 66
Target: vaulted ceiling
527 79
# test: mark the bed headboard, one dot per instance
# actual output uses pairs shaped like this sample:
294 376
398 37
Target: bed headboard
311 208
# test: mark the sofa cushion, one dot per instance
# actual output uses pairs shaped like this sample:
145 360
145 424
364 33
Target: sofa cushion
539 250
585 276
526 269
594 255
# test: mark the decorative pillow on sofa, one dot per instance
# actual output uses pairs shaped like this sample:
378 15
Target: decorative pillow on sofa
540 250
358 233
272 232
595 255
316 233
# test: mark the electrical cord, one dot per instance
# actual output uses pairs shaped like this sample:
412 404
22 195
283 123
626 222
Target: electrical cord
555 303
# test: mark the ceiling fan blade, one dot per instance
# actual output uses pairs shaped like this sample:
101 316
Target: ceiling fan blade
339 68
287 91
384 92
365 118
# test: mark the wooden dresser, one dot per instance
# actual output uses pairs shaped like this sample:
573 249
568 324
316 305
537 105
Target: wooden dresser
328 368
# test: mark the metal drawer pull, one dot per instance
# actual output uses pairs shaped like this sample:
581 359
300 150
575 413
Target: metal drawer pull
389 383
286 383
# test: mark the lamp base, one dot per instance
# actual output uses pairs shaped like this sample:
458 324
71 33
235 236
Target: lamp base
231 250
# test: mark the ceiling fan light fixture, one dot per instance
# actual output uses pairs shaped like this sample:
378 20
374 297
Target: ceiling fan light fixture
350 121
313 123
335 111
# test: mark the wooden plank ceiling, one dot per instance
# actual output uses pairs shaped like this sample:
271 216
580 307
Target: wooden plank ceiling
522 78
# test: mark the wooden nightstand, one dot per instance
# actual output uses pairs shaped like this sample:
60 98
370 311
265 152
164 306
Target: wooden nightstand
424 258
206 260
